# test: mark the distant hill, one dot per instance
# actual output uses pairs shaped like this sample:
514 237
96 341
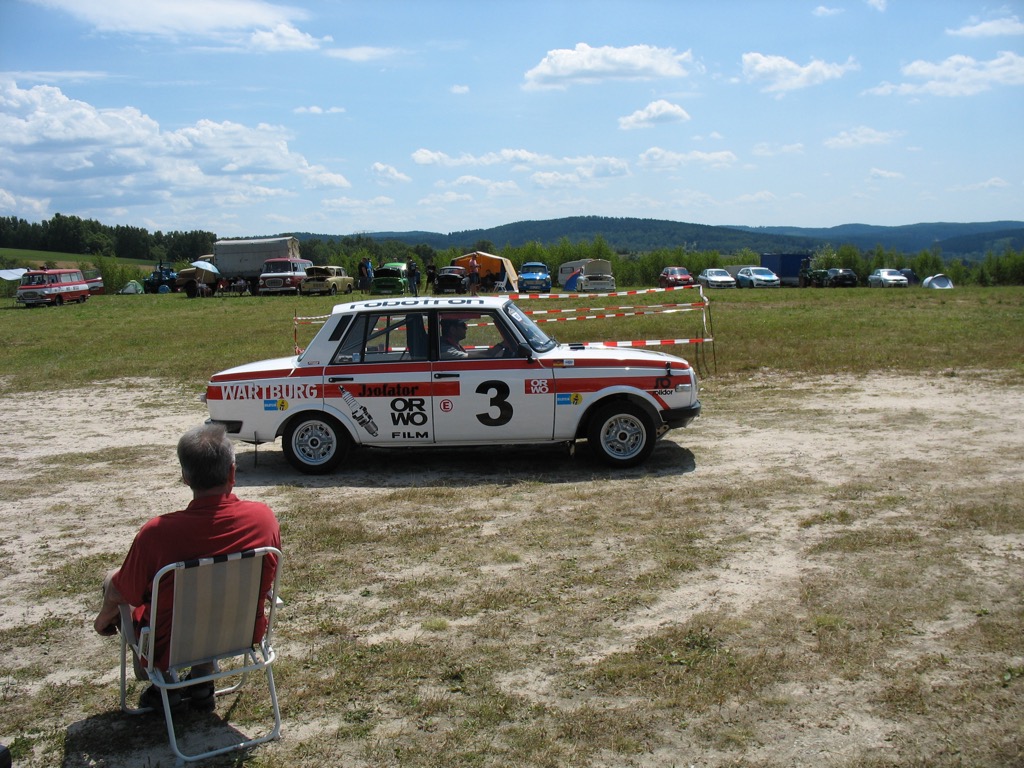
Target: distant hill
632 235
968 240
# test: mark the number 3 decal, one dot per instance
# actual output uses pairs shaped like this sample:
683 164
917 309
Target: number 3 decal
499 400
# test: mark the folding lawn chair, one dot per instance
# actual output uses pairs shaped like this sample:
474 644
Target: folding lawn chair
215 607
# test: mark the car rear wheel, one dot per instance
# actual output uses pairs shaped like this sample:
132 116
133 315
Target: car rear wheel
316 444
621 434
334 290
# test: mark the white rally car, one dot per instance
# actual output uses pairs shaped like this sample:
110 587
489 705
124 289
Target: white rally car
451 371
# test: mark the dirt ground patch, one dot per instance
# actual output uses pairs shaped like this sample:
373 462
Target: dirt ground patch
860 539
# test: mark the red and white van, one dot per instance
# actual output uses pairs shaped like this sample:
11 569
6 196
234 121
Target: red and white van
52 286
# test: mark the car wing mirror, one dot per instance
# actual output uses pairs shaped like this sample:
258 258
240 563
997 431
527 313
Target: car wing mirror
525 350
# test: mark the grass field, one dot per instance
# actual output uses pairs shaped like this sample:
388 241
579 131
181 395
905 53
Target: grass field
825 569
813 331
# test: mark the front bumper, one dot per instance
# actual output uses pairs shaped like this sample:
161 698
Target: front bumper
676 418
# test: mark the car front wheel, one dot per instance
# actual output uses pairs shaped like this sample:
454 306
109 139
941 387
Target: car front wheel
621 434
316 444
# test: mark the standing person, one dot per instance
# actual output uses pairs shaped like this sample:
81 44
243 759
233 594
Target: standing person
364 276
474 275
431 274
413 272
216 522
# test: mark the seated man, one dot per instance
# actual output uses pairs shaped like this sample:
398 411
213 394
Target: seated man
216 522
453 332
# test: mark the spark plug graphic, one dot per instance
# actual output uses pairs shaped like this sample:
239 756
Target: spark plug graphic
359 412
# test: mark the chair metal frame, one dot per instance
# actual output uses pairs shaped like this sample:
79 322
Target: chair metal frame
219 627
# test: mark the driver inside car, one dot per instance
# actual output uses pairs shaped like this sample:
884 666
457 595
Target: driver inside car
453 333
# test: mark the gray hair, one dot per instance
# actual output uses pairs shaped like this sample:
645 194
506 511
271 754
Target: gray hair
206 455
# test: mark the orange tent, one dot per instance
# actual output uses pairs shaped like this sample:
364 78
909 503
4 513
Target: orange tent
493 270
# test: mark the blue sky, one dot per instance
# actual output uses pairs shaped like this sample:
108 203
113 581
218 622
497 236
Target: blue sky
246 118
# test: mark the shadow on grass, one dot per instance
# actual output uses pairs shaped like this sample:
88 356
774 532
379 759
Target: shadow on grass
458 467
116 739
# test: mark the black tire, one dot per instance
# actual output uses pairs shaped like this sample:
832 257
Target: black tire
348 289
621 434
315 443
57 301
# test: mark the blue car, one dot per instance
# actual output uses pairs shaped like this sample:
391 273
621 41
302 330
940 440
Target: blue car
534 277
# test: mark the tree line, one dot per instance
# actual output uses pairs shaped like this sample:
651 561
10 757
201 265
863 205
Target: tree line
103 247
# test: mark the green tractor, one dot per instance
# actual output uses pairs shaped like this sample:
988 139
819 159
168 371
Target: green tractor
811 277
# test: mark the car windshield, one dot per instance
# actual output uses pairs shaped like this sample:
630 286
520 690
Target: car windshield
534 267
272 267
761 272
717 273
535 337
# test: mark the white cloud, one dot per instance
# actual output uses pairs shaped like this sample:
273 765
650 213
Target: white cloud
782 74
994 183
358 209
388 173
764 149
459 90
269 26
30 208
1010 25
562 67
284 37
878 5
491 187
659 111
878 173
861 136
957 76
659 159
316 110
444 198
763 196
362 54
823 11
432 157
68 150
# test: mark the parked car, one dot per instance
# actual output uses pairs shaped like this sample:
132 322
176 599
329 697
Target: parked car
534 277
282 275
451 280
374 375
939 281
757 277
390 279
716 278
887 278
329 280
841 278
672 277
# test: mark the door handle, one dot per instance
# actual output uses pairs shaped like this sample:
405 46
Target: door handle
446 375
336 379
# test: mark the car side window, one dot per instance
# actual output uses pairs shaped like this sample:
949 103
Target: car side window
384 338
